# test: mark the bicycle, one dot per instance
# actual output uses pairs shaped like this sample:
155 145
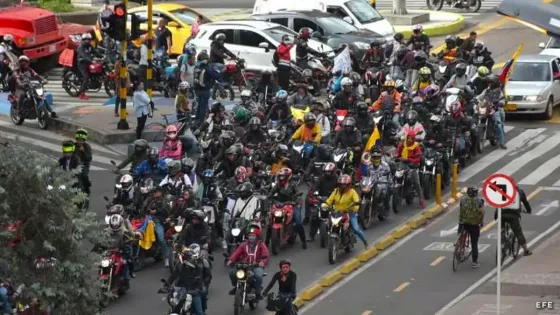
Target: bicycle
509 245
182 125
462 243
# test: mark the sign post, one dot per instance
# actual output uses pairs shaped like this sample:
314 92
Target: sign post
500 191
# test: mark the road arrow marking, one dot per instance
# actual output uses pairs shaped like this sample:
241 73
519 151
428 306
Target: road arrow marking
546 207
451 231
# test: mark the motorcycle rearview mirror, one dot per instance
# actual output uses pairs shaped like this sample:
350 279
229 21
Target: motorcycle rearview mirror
106 198
225 255
113 163
164 281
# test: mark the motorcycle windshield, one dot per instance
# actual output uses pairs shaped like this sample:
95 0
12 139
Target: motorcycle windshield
366 182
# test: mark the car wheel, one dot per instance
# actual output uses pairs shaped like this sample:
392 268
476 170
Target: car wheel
547 115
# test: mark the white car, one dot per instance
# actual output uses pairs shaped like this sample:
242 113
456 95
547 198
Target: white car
551 48
254 41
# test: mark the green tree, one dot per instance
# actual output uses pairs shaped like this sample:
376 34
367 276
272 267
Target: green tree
33 194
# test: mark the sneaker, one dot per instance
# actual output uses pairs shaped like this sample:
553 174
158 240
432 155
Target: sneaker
503 147
84 97
232 291
366 245
422 205
224 244
475 265
54 115
527 253
166 263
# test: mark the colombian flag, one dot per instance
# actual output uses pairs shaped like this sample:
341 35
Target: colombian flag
508 67
374 140
148 230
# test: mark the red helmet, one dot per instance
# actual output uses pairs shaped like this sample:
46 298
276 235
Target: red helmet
253 229
241 173
344 179
411 134
284 174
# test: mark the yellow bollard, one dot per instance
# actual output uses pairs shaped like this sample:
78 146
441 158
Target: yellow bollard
438 189
454 180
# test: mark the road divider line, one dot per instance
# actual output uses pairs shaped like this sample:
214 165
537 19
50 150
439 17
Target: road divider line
402 287
437 261
491 224
366 313
400 235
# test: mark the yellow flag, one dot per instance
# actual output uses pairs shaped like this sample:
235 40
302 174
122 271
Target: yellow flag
374 139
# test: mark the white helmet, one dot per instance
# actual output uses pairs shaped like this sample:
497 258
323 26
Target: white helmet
184 85
86 36
417 27
126 182
23 58
346 82
8 38
246 93
116 222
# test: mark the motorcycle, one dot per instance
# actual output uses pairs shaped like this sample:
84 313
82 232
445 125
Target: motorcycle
340 115
234 75
111 274
139 253
171 235
303 151
486 129
318 214
245 292
101 75
468 5
402 186
432 165
33 107
178 299
344 159
210 209
282 230
340 234
372 194
170 82
443 74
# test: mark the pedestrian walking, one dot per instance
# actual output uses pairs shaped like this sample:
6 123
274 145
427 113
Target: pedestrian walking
143 107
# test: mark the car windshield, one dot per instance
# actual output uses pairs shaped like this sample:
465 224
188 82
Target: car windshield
531 71
554 43
332 25
277 32
186 16
363 11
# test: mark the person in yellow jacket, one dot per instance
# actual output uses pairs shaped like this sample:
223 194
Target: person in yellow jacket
345 198
309 131
423 81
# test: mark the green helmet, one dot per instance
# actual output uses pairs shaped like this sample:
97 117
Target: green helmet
241 115
81 134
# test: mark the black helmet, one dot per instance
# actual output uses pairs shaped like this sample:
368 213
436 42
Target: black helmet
199 214
140 145
411 117
153 154
202 56
309 118
450 40
245 190
282 149
324 152
472 191
420 56
220 37
217 107
398 37
362 107
493 81
461 69
349 122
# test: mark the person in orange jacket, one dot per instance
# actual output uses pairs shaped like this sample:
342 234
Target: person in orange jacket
411 153
389 100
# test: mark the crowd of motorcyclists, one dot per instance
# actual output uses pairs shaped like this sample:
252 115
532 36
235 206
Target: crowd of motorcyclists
390 123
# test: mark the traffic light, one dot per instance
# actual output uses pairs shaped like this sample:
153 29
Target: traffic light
135 31
119 25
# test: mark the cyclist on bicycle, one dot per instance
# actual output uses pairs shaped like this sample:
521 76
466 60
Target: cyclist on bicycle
513 216
471 216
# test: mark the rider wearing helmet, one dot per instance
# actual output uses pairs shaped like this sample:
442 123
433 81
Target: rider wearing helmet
481 56
380 169
182 104
279 159
412 125
471 216
218 52
418 37
389 100
7 57
216 120
127 195
187 168
280 111
186 64
204 79
324 155
139 155
266 88
192 275
287 191
286 279
83 152
195 232
349 137
251 251
345 198
364 121
233 160
21 76
176 181
344 99
479 82
254 136
375 55
172 147
493 95
450 52
301 99
86 53
303 49
398 41
424 79
459 79
409 151
153 167
120 237
69 161
324 187
247 205
309 131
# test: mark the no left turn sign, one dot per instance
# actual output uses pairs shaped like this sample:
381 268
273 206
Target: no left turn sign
500 191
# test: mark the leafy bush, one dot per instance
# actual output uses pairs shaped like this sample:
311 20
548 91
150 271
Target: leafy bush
56 6
37 196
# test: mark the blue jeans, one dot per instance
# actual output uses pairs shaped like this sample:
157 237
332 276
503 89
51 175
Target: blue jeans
258 274
356 227
160 236
5 300
202 97
396 119
499 121
298 217
197 304
126 270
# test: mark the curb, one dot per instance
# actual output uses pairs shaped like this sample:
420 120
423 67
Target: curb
353 264
455 24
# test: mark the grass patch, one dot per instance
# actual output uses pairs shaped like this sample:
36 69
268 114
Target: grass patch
57 6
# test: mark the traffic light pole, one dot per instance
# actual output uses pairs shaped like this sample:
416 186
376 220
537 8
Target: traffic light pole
149 73
123 124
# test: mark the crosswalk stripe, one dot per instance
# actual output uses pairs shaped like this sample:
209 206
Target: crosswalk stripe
496 155
542 171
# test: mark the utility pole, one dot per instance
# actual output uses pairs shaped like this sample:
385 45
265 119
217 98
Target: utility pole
123 124
149 73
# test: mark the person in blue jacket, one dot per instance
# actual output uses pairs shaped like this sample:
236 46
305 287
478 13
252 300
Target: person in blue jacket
153 167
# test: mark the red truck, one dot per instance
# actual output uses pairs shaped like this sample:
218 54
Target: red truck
36 33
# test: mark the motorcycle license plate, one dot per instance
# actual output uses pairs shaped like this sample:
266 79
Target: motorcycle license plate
52 48
510 107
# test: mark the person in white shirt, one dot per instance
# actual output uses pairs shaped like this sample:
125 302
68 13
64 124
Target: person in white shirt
323 121
247 205
176 180
143 107
143 63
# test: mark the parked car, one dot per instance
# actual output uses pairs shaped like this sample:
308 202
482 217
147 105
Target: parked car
552 47
534 86
327 28
254 41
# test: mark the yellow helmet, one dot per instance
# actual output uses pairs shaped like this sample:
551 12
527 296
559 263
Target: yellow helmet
425 71
483 71
389 83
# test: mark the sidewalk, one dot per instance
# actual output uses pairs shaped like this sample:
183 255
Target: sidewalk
529 280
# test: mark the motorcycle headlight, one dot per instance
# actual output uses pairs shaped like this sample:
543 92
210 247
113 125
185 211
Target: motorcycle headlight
206 219
298 149
39 91
76 38
240 274
178 228
429 162
399 173
188 302
174 301
107 219
482 110
105 263
278 213
365 189
336 221
235 232
341 118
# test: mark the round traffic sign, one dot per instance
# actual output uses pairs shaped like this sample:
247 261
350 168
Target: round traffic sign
499 190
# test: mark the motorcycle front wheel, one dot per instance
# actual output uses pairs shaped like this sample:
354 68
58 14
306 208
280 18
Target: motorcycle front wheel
15 115
43 118
333 250
71 83
366 218
323 235
427 186
474 5
238 308
110 87
275 242
227 93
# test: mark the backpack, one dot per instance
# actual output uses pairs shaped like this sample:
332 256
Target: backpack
198 78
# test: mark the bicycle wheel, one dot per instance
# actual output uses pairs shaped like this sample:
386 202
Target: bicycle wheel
159 128
458 252
514 246
465 245
434 5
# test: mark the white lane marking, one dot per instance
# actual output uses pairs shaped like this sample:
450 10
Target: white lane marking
492 272
542 171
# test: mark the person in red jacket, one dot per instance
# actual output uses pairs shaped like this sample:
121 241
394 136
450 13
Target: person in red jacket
410 152
252 251
283 62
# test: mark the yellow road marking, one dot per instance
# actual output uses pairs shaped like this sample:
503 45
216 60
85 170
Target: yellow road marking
492 223
367 313
437 261
480 31
402 287
547 1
